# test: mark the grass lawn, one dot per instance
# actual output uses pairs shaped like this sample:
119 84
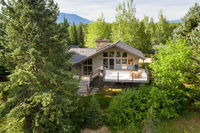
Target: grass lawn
188 124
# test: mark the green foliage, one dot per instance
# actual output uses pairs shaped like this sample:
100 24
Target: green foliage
163 31
77 34
97 30
40 90
184 124
139 34
126 26
190 22
3 70
141 108
143 41
172 65
92 116
81 35
73 35
65 30
11 125
103 100
150 28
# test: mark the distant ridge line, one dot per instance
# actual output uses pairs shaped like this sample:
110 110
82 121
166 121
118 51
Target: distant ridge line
72 18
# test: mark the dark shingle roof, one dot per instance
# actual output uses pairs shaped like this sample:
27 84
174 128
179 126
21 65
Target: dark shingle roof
130 49
81 53
84 53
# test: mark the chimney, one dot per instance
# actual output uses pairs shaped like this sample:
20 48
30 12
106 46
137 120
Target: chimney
101 43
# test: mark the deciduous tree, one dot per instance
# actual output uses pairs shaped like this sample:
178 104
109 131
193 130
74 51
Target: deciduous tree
97 30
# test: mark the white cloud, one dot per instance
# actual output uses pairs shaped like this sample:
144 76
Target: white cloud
91 9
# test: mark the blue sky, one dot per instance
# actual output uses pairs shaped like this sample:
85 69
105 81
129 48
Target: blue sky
92 9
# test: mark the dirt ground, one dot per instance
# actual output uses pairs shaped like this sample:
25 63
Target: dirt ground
104 129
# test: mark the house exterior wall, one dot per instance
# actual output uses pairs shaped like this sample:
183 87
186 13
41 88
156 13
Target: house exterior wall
77 68
129 55
97 60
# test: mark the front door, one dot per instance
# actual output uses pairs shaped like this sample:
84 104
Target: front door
111 63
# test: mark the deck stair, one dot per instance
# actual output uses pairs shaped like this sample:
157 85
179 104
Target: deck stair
84 86
97 72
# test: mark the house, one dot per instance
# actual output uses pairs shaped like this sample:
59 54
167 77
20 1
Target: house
114 63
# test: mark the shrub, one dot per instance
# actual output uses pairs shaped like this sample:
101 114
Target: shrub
141 108
91 114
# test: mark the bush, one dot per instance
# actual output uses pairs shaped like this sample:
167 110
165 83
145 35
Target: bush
103 100
92 117
141 108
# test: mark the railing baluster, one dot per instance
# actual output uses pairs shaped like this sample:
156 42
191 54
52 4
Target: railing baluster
132 76
118 76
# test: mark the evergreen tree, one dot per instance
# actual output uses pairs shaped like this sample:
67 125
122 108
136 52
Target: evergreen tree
190 21
65 30
143 41
195 41
93 118
151 28
73 35
162 30
81 35
190 30
97 30
2 33
40 90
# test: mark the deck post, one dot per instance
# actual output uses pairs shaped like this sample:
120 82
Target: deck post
132 76
118 76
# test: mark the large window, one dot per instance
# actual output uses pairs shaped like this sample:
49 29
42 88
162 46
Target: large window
124 61
124 54
130 61
105 63
118 61
118 54
108 59
111 54
105 54
87 67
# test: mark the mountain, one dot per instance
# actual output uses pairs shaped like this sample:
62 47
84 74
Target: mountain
175 21
72 18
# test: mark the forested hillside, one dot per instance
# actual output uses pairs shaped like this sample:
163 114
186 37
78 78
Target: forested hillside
142 34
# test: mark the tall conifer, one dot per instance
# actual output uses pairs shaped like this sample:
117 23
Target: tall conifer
40 87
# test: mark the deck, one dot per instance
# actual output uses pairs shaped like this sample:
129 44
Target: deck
125 76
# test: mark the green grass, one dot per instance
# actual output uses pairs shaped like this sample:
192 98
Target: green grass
188 124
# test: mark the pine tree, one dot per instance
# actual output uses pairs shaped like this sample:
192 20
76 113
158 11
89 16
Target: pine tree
190 30
143 41
65 30
162 30
81 35
190 21
93 117
74 35
40 90
151 28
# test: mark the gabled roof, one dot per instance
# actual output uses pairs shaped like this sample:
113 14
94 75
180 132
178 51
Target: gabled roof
83 54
